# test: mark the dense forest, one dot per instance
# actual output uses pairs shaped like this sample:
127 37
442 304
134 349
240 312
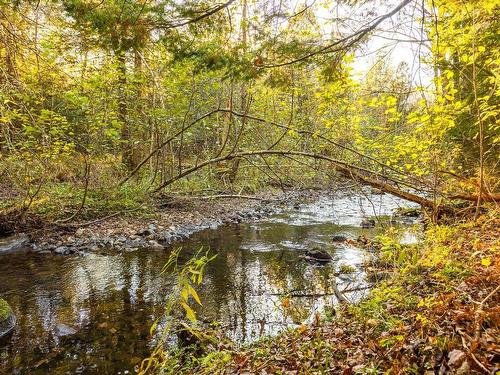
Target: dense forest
113 112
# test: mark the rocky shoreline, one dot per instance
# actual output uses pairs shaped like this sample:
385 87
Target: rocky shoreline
178 221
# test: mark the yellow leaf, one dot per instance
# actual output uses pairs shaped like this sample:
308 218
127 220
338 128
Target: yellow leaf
153 327
285 303
486 262
194 294
184 294
189 312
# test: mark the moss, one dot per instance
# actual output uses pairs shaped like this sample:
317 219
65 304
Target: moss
5 310
346 268
411 212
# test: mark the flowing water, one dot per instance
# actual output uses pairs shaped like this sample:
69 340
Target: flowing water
92 314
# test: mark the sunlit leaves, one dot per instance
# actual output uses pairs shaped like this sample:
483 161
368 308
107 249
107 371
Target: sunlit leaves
190 273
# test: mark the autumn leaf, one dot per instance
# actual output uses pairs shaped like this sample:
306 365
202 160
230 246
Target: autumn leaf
486 262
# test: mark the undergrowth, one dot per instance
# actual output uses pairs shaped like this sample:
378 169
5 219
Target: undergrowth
437 313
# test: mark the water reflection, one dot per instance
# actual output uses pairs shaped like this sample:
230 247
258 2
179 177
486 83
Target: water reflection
112 300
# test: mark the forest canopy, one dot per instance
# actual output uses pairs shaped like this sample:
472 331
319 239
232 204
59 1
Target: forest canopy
122 98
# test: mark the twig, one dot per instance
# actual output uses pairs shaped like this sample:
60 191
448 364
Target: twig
480 310
99 220
235 196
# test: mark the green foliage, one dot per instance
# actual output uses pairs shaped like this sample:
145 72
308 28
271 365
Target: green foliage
347 269
134 74
5 310
393 253
189 275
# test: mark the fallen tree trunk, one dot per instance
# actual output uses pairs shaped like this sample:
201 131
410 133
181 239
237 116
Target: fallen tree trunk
349 171
485 197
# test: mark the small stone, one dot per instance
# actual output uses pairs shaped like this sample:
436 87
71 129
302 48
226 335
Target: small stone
455 358
62 330
62 250
155 245
143 233
367 223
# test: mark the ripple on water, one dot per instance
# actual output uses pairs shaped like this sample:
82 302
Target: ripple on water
112 300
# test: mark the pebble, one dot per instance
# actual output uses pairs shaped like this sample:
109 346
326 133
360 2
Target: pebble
62 330
455 358
62 250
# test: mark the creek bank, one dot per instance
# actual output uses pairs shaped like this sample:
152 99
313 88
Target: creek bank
168 225
98 284
174 221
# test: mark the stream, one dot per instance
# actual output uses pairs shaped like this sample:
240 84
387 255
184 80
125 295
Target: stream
92 314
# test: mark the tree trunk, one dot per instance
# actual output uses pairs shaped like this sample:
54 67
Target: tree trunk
126 148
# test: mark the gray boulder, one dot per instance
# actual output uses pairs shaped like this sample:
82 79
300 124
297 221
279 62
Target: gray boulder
367 223
318 255
7 320
62 250
14 243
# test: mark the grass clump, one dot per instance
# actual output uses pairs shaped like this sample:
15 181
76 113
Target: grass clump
347 269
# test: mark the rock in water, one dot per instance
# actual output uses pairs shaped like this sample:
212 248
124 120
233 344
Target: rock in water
367 223
7 320
376 191
63 330
318 255
339 238
62 250
13 243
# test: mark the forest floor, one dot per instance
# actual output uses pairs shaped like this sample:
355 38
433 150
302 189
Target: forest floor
439 313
